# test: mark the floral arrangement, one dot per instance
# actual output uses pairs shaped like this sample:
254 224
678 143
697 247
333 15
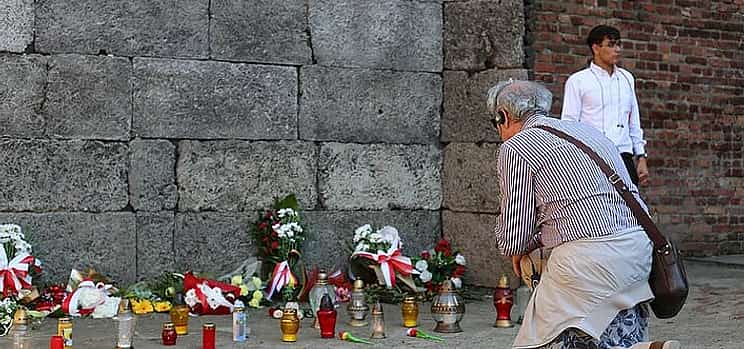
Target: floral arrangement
16 268
209 297
279 234
156 295
433 267
380 251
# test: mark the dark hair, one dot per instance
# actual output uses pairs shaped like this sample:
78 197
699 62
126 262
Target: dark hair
599 33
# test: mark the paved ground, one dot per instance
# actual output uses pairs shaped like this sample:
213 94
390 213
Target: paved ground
712 318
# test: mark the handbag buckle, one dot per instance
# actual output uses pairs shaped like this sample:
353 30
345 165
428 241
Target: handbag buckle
614 178
665 250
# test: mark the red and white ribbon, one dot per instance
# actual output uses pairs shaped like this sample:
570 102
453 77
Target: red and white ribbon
281 277
14 274
390 262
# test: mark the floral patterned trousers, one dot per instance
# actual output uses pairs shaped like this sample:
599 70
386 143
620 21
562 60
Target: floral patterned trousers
629 327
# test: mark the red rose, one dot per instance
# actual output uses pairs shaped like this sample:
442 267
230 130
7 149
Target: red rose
275 245
262 226
274 234
268 214
444 247
425 254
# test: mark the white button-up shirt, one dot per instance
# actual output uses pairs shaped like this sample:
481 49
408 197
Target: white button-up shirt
608 103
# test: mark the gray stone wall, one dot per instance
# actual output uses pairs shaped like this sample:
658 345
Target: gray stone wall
144 136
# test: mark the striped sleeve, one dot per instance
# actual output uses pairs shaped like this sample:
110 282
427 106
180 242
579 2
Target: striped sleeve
516 226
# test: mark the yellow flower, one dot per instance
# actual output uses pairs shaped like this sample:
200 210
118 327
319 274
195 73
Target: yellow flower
142 306
257 295
162 306
255 303
244 290
256 283
237 280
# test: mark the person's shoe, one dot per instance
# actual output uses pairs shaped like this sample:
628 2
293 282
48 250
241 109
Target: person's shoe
665 345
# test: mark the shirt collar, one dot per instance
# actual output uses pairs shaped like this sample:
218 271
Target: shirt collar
598 70
532 121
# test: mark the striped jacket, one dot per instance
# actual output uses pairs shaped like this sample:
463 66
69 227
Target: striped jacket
552 192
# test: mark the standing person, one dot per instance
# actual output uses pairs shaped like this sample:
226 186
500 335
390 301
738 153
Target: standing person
593 289
603 96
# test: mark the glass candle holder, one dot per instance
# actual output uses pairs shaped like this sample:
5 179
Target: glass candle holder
357 307
409 312
377 322
447 309
169 334
180 317
208 336
326 316
290 325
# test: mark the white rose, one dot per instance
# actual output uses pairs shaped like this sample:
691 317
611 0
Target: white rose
460 259
375 238
91 297
422 265
425 276
457 282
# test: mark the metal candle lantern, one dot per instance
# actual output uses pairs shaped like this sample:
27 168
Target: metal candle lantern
447 309
357 307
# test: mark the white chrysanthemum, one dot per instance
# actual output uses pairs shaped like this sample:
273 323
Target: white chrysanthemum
287 212
457 282
375 238
191 298
460 259
425 276
422 265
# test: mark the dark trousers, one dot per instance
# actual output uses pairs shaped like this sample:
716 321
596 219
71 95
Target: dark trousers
630 165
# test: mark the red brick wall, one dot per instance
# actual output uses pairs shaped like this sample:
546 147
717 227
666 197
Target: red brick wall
688 60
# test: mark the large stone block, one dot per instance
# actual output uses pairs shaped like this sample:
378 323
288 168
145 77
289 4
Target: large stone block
152 175
22 95
380 176
331 244
103 241
89 97
126 28
155 252
482 34
193 99
470 178
393 34
241 176
465 117
473 235
16 25
212 242
260 31
63 175
360 105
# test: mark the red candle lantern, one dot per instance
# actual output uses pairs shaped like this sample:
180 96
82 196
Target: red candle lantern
327 317
503 300
208 336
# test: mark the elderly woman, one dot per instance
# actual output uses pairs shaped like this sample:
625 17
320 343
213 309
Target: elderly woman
593 289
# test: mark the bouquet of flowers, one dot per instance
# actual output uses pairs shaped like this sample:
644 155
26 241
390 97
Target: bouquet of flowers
16 266
433 267
379 250
279 235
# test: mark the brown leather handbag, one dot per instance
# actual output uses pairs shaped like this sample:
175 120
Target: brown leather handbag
668 279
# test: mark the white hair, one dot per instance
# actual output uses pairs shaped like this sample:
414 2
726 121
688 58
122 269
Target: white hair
521 99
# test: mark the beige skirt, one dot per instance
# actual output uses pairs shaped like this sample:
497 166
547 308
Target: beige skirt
585 284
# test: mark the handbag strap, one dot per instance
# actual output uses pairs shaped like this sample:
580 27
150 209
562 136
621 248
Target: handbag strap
660 243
